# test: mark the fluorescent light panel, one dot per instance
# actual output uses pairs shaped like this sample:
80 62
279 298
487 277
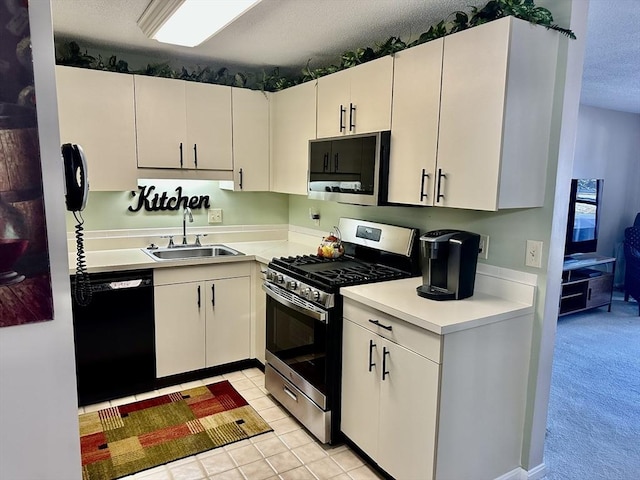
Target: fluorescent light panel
195 21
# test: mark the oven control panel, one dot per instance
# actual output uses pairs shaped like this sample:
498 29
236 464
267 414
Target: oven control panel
301 289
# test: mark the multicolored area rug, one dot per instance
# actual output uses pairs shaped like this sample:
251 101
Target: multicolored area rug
119 441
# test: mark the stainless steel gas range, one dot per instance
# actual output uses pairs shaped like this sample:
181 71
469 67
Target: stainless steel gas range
304 317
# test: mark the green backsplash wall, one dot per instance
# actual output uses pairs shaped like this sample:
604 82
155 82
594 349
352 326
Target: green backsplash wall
508 230
108 210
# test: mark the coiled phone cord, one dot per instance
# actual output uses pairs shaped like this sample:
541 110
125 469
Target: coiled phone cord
82 286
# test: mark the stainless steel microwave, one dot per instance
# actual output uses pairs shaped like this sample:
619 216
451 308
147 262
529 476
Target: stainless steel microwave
350 169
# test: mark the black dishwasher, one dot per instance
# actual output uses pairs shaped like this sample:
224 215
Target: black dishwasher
115 336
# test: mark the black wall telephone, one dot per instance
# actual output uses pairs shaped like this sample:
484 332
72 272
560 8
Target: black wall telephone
76 193
75 174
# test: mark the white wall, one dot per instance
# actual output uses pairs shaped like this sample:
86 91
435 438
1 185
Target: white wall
608 146
38 409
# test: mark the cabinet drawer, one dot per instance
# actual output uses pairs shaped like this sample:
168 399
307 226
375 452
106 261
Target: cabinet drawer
414 338
165 276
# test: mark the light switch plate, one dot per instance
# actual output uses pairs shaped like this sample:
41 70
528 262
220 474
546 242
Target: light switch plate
533 254
215 215
483 250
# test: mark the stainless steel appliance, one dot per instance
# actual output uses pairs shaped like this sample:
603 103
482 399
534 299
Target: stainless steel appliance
449 264
304 316
351 169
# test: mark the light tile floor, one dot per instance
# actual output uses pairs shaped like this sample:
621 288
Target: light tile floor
287 453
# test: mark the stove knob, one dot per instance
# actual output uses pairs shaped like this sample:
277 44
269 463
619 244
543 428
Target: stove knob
280 279
292 285
315 295
270 275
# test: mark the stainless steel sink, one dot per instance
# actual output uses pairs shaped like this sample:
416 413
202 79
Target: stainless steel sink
190 252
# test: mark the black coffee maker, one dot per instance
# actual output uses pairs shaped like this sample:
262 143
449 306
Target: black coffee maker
449 259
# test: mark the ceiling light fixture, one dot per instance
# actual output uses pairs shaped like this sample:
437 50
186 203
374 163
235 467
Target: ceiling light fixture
190 22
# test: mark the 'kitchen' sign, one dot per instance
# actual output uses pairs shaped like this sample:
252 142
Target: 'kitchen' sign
153 202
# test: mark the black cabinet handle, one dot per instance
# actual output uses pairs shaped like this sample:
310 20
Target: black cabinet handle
352 125
195 154
385 352
589 294
342 111
325 163
440 177
198 296
213 294
422 194
181 159
240 173
376 322
371 347
335 163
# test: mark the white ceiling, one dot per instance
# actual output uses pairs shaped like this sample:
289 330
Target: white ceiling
287 33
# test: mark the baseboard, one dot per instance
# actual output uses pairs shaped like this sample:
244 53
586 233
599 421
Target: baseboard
535 473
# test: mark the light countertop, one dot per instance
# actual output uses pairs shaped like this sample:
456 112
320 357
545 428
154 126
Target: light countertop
399 299
136 258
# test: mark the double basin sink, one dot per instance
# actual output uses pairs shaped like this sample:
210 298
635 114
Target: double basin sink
180 252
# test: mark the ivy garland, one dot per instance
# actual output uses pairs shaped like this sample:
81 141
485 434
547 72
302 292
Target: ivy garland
70 54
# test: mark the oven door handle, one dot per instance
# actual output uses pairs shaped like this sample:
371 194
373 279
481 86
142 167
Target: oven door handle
320 316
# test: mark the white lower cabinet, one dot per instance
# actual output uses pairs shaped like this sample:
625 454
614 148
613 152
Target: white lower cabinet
427 406
389 402
203 317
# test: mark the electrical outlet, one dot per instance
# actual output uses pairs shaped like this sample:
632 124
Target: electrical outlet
215 215
314 215
483 249
533 254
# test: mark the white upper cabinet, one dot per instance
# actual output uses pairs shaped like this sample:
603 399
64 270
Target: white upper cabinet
96 110
293 124
250 141
417 73
495 116
356 100
183 124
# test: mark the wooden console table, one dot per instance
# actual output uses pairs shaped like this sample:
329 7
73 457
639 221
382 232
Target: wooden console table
587 282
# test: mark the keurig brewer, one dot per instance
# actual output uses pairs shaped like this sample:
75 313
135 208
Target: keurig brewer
449 259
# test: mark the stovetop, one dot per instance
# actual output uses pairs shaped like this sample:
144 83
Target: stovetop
332 273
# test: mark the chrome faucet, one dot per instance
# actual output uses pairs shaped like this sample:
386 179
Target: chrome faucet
187 211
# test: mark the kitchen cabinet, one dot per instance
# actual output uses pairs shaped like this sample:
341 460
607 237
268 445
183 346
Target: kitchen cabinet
495 116
96 110
293 124
383 386
250 141
356 100
183 125
203 317
417 74
587 282
433 406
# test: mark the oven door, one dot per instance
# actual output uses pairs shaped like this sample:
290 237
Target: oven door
296 342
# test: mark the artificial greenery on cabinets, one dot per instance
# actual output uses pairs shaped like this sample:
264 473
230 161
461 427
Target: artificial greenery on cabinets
70 53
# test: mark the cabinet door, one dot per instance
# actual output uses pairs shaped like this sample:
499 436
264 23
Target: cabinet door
415 114
599 291
293 124
250 141
180 328
96 110
471 116
333 104
208 127
408 412
228 318
161 122
371 88
361 363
